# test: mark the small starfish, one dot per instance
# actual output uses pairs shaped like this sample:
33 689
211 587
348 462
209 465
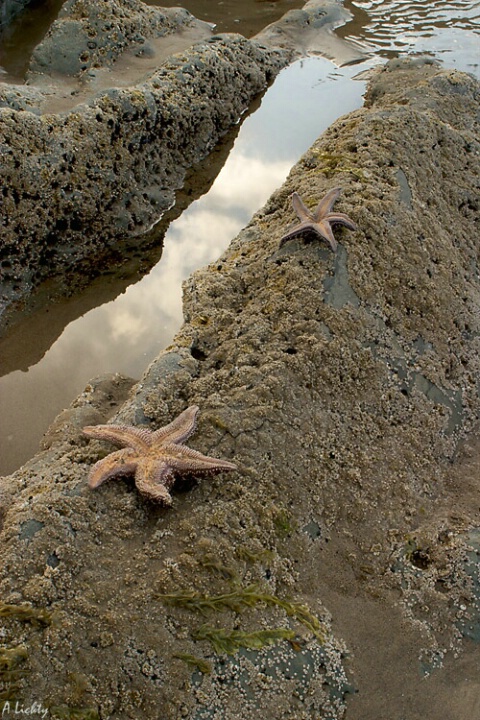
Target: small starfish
154 457
320 220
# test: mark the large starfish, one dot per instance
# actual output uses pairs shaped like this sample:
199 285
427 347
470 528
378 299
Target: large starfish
154 457
319 221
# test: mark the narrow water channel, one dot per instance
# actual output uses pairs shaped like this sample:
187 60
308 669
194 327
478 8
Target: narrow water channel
126 333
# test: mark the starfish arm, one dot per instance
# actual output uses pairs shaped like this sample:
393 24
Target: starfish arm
154 479
325 231
340 219
117 464
326 203
300 208
179 429
133 437
299 229
186 460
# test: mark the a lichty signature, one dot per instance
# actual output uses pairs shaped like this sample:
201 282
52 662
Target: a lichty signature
18 710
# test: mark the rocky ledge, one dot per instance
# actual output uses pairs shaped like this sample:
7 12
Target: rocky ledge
336 572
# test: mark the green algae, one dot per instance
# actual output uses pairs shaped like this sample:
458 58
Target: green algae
10 659
332 163
243 553
210 562
283 524
12 656
193 661
245 597
231 641
38 617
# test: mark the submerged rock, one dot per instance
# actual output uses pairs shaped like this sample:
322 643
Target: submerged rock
346 413
309 30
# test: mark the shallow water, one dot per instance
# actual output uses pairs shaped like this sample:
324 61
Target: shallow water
126 333
449 31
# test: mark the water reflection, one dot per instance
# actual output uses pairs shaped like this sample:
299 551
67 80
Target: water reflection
124 335
22 35
447 30
246 17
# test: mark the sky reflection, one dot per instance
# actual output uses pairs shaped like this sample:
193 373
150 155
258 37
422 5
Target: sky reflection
126 334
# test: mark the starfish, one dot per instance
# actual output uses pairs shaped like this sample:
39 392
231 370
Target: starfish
319 221
154 457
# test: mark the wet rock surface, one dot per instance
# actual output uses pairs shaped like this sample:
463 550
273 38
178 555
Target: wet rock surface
89 34
337 571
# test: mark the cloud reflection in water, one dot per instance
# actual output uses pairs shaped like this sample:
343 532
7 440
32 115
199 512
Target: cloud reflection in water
126 334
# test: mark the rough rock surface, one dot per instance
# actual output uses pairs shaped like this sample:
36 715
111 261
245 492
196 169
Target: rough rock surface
345 387
90 34
73 183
